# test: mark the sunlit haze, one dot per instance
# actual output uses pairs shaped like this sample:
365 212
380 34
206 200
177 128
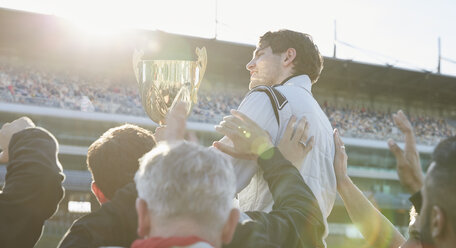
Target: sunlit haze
399 33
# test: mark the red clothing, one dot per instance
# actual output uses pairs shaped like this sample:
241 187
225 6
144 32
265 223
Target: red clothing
158 242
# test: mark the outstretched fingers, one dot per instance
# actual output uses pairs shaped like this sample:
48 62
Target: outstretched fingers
339 144
233 121
395 149
302 131
290 127
246 120
230 150
230 132
308 147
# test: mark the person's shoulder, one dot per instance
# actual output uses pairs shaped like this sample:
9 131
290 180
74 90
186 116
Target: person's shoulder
254 99
277 98
256 93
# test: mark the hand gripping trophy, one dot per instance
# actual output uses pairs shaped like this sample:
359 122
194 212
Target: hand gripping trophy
162 83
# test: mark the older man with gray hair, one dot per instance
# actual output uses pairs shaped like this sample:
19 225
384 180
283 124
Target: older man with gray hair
185 197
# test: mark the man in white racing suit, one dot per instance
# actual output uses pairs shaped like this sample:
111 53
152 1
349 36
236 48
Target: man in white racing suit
283 69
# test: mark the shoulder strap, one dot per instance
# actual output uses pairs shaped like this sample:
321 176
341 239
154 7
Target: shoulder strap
278 100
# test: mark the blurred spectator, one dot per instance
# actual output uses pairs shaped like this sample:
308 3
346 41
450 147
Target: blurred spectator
113 161
438 213
113 158
199 211
33 182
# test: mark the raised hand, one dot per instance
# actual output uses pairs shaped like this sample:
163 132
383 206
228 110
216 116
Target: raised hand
295 147
249 139
176 121
340 161
402 122
8 130
407 160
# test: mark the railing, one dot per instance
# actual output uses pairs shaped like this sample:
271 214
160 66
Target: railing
200 117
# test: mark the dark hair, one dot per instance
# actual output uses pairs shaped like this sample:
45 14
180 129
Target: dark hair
441 181
308 58
445 153
113 158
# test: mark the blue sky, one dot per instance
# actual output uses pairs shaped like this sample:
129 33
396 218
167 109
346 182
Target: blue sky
402 33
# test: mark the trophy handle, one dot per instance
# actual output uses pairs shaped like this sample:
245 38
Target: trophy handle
137 68
201 63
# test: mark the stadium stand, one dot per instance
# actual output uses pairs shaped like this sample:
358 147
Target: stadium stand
27 85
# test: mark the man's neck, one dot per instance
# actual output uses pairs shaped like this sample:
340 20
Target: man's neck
183 228
284 77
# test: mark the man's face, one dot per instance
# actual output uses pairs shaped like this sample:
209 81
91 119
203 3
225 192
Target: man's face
265 67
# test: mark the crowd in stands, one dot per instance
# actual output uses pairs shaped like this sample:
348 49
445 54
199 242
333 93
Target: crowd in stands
27 85
371 124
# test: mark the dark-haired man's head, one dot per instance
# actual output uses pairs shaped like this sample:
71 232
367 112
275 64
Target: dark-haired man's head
282 54
438 215
113 158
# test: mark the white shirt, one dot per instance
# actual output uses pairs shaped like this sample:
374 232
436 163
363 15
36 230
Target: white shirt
317 169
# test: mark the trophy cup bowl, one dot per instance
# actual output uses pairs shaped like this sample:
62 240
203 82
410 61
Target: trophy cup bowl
162 83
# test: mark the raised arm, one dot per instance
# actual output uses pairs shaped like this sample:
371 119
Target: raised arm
407 160
376 229
33 182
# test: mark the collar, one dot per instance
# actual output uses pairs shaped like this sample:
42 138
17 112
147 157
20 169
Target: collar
160 242
302 81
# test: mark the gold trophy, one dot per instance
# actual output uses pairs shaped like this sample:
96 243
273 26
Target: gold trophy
162 83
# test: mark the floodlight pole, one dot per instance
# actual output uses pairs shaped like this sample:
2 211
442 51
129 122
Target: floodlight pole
440 56
216 19
335 38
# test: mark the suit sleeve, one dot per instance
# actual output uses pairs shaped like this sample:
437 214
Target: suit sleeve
295 220
33 187
114 224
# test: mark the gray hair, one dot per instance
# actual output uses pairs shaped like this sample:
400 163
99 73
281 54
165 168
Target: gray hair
187 180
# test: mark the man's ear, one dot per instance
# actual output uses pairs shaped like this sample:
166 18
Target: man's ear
289 56
230 226
143 218
437 222
98 193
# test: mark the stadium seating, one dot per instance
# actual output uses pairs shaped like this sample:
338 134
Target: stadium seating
27 85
